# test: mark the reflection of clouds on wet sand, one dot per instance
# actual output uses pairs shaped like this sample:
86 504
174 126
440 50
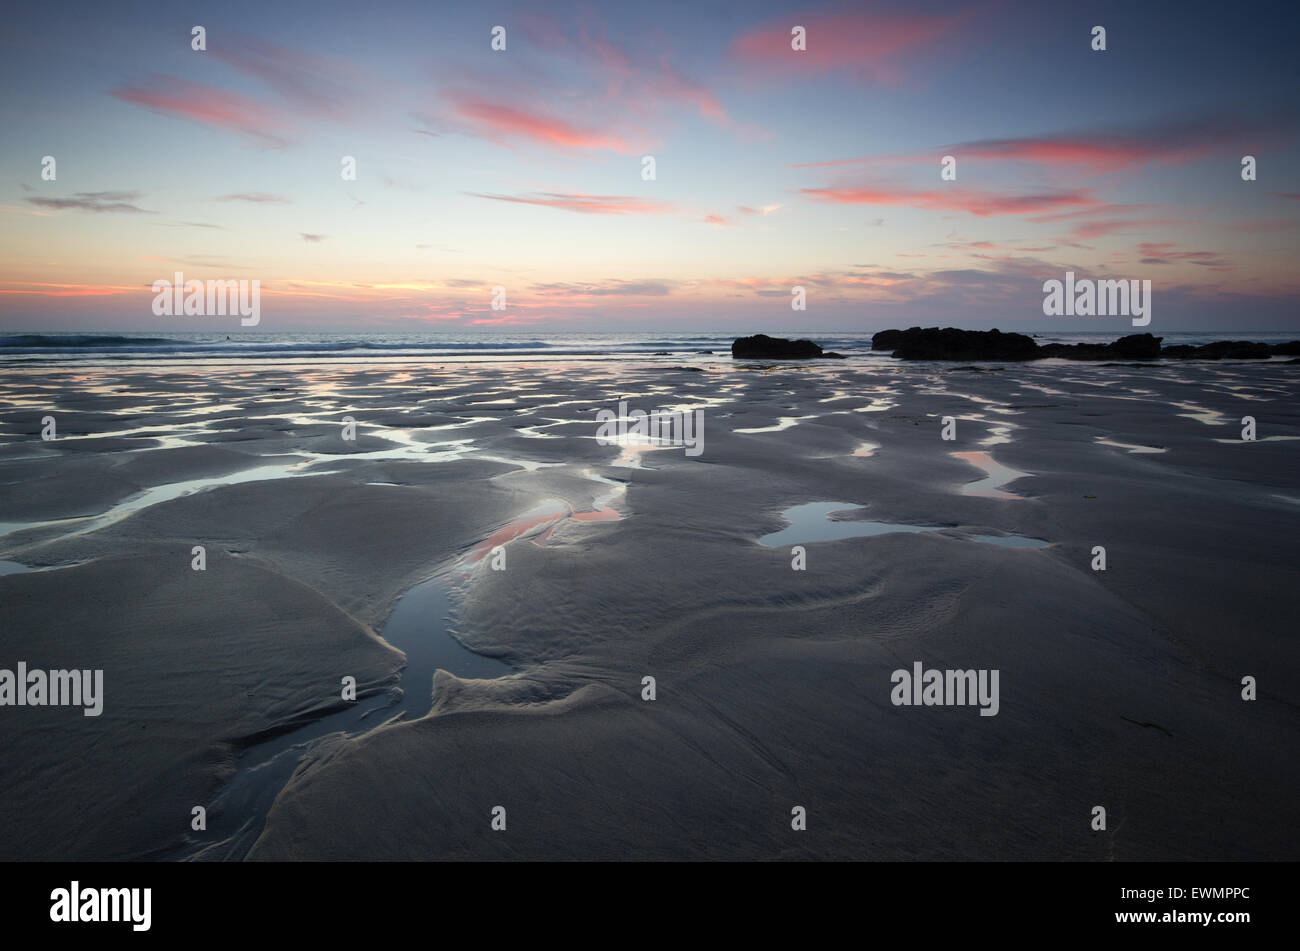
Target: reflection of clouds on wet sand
633 558
996 476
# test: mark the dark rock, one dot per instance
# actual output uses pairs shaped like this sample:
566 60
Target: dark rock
763 347
1132 347
1221 350
1137 346
887 339
964 345
953 344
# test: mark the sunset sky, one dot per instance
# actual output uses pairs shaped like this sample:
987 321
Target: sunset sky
522 168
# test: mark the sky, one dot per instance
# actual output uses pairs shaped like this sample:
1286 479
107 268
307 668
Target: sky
524 168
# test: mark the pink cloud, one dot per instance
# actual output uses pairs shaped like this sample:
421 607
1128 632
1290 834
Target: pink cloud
206 104
1099 154
1106 149
875 46
980 245
673 85
1097 229
983 204
311 84
1088 151
500 122
587 204
1162 253
66 290
509 320
1098 209
573 87
620 80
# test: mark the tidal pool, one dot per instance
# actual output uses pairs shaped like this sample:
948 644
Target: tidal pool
811 522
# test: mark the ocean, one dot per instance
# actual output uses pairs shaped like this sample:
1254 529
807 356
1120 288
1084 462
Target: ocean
27 348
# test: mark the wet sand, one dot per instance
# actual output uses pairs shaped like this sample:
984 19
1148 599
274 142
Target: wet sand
773 685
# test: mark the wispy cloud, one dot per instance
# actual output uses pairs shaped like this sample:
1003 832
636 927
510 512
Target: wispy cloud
310 84
615 288
1163 253
208 105
1108 148
312 238
1101 219
43 289
189 224
587 92
208 262
116 202
587 204
621 81
257 198
981 203
1090 230
503 123
870 46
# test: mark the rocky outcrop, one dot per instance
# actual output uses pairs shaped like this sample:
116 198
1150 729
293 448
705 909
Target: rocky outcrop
763 347
932 343
1232 350
953 344
1132 347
